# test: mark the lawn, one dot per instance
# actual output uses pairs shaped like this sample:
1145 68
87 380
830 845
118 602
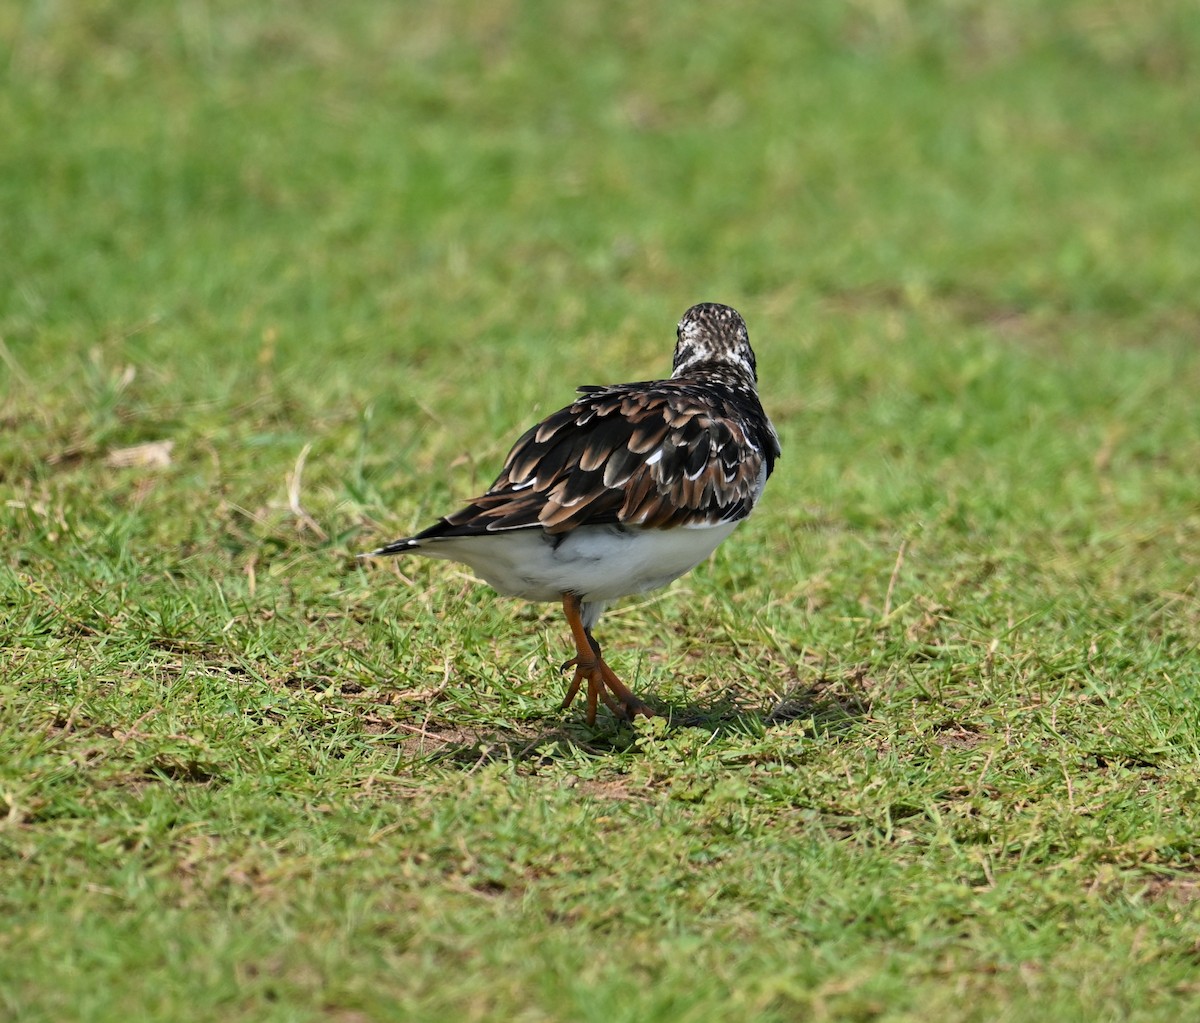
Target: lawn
280 281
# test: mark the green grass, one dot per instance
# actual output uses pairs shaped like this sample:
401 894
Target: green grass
932 735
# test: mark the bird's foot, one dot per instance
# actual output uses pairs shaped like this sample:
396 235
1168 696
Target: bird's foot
603 685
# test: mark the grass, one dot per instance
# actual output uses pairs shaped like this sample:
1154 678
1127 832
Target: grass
932 737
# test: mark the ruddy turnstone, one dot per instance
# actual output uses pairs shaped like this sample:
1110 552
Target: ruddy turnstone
624 490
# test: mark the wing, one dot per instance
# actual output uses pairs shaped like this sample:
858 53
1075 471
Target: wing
665 453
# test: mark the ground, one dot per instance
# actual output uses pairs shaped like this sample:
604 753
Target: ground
282 281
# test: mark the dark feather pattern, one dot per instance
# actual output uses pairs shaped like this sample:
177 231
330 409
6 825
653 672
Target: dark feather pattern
688 451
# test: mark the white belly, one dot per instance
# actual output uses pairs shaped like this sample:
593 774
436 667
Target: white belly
598 563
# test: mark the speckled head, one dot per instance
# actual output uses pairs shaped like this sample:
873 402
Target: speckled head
714 337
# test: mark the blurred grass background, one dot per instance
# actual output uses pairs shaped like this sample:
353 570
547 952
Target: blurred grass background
935 744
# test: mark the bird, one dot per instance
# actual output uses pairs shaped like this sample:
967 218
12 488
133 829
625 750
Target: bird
620 492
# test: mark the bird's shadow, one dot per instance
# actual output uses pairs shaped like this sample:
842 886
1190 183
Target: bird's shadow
818 711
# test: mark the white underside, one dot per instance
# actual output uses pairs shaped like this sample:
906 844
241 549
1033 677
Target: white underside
597 563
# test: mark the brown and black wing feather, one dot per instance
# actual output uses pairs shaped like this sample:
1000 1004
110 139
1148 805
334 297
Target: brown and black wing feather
655 455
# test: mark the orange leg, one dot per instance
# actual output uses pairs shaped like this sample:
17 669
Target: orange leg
589 665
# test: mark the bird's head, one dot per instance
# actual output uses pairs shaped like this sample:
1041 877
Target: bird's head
713 337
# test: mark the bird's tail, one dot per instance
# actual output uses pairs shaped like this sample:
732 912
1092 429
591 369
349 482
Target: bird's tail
395 547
